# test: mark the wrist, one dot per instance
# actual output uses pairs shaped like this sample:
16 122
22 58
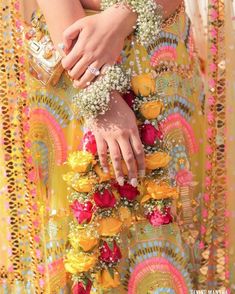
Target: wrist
123 17
149 18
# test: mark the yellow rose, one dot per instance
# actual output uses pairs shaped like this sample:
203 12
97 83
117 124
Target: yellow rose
103 177
81 239
109 226
151 109
81 161
81 184
159 191
125 216
157 160
143 84
124 169
79 262
105 280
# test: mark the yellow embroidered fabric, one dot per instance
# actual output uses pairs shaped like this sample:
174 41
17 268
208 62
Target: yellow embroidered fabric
55 133
154 259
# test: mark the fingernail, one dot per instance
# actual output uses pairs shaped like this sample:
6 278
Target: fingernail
61 46
134 182
142 173
106 170
120 181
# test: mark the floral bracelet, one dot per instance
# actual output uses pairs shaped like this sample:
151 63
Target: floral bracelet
149 19
94 100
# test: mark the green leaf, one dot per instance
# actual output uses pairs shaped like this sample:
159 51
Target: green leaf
111 272
111 245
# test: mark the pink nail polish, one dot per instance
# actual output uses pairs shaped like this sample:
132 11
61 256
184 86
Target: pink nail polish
134 182
120 181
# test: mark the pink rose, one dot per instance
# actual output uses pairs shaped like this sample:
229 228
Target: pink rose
184 177
80 288
129 98
128 191
104 199
108 254
89 142
148 134
157 218
82 212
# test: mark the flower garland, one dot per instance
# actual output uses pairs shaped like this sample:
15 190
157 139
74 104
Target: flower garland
102 208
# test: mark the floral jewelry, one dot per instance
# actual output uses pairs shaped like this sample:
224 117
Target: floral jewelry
102 208
94 100
149 19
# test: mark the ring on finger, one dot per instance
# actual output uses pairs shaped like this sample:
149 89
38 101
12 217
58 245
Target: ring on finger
95 71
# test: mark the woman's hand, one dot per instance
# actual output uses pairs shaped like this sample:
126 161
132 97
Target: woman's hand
117 131
96 40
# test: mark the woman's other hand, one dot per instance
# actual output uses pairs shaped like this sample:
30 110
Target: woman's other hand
96 40
117 131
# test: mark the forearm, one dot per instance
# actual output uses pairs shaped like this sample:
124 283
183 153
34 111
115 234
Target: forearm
168 6
60 14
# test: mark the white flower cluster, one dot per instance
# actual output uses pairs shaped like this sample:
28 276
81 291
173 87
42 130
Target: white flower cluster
149 19
94 100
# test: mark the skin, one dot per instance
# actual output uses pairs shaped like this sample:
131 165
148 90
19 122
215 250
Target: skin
116 131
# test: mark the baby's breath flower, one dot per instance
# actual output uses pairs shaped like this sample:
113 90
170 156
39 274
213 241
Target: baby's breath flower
149 19
94 100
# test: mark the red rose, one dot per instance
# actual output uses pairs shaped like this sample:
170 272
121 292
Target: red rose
104 199
148 134
89 142
157 218
82 212
128 191
110 255
80 288
129 98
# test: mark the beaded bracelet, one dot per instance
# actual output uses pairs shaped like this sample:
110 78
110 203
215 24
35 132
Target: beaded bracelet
94 100
149 19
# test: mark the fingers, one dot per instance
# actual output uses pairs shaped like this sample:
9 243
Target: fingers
129 158
131 150
88 76
138 150
69 61
102 152
71 33
115 156
79 69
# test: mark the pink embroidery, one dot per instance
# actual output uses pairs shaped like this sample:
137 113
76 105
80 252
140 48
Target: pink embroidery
158 264
176 120
41 116
184 177
165 52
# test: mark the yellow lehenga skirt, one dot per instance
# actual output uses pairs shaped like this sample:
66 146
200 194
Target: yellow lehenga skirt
161 259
